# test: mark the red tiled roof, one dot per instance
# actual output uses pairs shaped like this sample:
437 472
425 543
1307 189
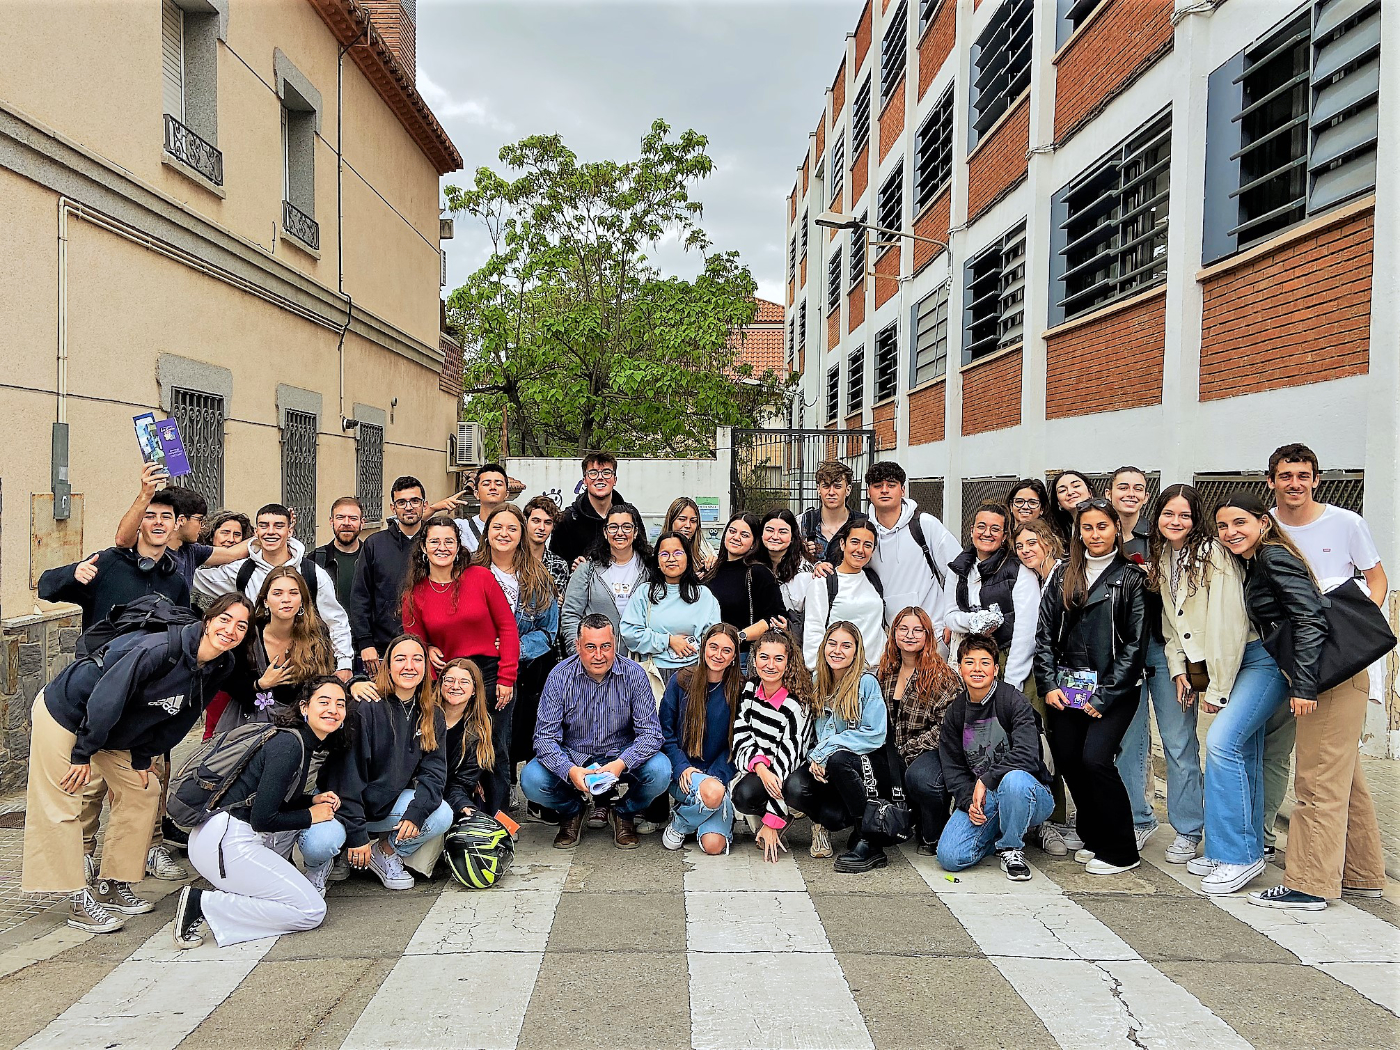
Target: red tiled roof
762 347
768 312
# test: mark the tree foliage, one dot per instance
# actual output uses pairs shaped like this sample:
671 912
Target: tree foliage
570 328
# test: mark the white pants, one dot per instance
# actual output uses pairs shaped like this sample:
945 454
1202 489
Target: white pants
259 894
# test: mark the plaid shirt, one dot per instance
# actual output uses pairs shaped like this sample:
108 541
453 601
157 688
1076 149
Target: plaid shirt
918 714
558 572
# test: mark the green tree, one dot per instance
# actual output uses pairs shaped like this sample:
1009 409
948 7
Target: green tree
570 328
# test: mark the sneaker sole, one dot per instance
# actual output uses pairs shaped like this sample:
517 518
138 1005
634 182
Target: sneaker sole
858 869
820 854
1180 858
1347 891
1284 906
95 928
1114 869
181 877
120 909
1062 851
1016 878
396 884
1221 889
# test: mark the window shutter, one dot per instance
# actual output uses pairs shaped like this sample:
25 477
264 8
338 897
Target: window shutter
172 59
1345 118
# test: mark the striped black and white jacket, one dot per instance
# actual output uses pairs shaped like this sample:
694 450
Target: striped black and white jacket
782 734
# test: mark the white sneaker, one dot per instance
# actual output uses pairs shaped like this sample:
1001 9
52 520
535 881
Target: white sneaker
1103 867
1013 863
1084 856
646 827
340 868
161 865
1072 840
1201 865
671 838
89 868
319 876
1052 841
1182 850
1143 834
516 798
1227 878
389 867
821 842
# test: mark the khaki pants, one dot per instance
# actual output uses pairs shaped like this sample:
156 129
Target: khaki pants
55 821
1332 835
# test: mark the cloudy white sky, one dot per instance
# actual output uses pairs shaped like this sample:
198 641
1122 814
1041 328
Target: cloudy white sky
749 74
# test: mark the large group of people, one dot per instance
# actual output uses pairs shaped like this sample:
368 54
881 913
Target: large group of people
862 670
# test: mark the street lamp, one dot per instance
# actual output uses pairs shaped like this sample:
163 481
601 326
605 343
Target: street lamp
835 220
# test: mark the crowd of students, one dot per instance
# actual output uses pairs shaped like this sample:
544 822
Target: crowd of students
862 671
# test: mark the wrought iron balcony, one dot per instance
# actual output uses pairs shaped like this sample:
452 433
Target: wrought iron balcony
189 149
301 226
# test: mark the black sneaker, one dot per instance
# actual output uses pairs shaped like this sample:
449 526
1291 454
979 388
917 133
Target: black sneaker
1291 900
1013 862
189 917
1270 854
863 856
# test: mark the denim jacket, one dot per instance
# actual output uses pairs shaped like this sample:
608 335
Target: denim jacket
538 629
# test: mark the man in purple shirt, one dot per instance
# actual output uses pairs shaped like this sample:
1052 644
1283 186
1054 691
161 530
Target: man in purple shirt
597 709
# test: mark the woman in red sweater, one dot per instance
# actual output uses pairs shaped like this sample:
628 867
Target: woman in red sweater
459 609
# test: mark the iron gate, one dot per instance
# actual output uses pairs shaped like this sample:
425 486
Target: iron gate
299 472
1341 488
777 468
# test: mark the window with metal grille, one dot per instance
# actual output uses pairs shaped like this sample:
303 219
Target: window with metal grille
792 257
833 280
890 209
858 239
802 235
930 337
299 120
201 420
860 118
977 491
1341 488
802 325
933 153
855 380
1291 124
894 50
1108 228
996 295
1001 65
1071 15
188 55
838 167
369 469
792 334
928 494
887 363
299 471
833 393
927 9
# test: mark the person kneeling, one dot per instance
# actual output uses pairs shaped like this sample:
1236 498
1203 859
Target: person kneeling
597 716
990 753
257 892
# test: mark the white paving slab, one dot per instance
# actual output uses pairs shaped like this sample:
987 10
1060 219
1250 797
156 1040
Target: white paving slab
986 877
757 921
12 960
1379 982
493 920
1035 927
743 869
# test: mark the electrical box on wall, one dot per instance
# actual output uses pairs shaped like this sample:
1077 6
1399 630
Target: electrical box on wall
58 458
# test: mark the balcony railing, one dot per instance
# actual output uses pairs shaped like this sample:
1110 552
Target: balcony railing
191 150
301 226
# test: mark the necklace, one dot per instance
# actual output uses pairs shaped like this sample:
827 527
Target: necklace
441 588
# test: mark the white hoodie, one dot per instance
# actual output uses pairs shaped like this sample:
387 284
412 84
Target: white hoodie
211 583
903 569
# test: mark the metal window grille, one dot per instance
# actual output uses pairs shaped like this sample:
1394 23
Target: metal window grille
890 209
369 469
833 393
977 491
933 153
927 9
301 226
860 118
894 49
792 257
887 363
996 295
201 420
299 471
1001 65
792 334
1341 488
833 280
928 494
1345 120
858 239
802 325
189 149
803 235
838 166
931 336
1073 14
855 380
1112 240
777 468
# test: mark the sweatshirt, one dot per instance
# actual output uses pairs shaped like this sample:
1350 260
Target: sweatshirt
471 618
119 579
903 570
861 737
647 628
376 609
773 731
579 528
713 758
1003 731
858 601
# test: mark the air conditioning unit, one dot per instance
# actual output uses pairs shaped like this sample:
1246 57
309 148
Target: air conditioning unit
466 446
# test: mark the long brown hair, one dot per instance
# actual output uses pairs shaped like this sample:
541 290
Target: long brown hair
425 695
478 713
418 563
1076 579
310 653
536 585
1270 533
695 683
841 696
1048 536
930 667
797 680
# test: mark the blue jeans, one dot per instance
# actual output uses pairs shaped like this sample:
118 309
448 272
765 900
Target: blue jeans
1177 726
1235 760
320 842
1019 802
545 789
693 817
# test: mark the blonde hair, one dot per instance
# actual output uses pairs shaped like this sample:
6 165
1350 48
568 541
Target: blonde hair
841 694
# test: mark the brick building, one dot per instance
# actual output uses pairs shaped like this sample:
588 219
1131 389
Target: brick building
1162 219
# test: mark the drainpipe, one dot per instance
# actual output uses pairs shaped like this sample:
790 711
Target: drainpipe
340 208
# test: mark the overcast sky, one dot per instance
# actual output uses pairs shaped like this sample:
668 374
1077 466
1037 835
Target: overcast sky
749 74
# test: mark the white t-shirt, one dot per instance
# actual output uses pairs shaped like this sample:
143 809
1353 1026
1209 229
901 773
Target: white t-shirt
471 530
510 584
1336 544
622 578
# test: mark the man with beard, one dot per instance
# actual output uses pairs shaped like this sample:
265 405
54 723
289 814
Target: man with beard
582 523
341 556
376 608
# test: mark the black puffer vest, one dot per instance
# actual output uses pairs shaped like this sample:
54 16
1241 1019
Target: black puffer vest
998 575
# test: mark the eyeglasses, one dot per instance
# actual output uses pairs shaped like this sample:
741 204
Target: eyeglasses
1025 504
620 530
671 555
409 504
600 475
1098 503
915 629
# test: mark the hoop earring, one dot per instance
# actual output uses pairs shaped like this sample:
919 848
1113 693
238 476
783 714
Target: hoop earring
300 613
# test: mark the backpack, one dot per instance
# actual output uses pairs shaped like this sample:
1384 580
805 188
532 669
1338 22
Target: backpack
148 614
832 586
917 531
246 570
199 788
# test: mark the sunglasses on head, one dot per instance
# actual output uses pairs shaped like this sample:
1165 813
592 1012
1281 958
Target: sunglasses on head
1097 503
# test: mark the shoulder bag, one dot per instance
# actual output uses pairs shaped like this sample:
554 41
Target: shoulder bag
886 819
1357 636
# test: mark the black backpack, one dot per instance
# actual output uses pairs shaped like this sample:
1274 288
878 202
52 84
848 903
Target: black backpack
832 586
917 531
246 570
148 614
199 788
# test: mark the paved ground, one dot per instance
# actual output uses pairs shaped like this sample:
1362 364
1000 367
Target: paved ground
656 950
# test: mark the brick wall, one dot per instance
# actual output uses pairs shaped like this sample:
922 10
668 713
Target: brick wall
450 377
932 223
863 36
860 173
806 173
1000 160
892 120
855 306
883 420
927 413
1295 315
397 29
838 92
833 327
32 650
802 273
801 360
792 290
854 445
992 394
821 143
836 203
1110 363
1122 42
792 205
887 266
937 44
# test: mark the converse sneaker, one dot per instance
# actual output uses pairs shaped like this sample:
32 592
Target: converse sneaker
319 875
516 799
1182 850
1103 867
189 917
671 838
1143 834
821 842
161 865
340 868
1083 856
389 867
1362 891
1201 865
117 896
1227 878
1013 862
1052 841
84 913
1283 897
1073 842
89 868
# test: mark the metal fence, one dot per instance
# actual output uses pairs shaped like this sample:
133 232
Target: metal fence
201 420
1341 488
299 471
777 468
975 492
928 494
369 470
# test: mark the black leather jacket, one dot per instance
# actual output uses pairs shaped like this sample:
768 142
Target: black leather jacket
1106 635
1279 592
